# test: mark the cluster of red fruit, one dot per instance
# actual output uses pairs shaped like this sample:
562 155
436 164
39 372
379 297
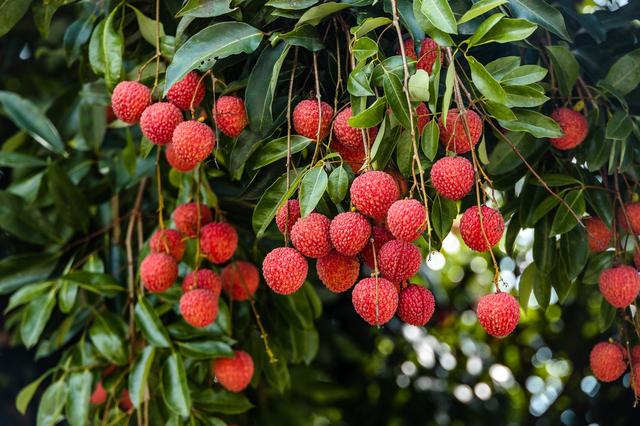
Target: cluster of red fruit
609 361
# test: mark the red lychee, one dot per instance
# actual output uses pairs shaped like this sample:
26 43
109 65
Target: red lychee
125 403
423 116
498 313
185 217
372 193
471 228
380 237
240 280
598 234
452 177
354 157
633 213
399 260
187 92
416 305
338 272
168 241
159 120
235 373
375 300
607 361
619 285
635 378
454 137
99 395
349 233
428 54
305 119
218 241
347 135
199 307
635 354
129 100
204 279
192 141
284 270
310 235
230 115
407 219
178 163
409 49
292 208
574 126
158 271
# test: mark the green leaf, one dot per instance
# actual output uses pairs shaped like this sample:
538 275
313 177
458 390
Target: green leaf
484 28
147 27
564 221
391 65
574 251
364 48
499 111
368 25
443 212
69 200
523 75
502 66
29 118
430 139
67 296
140 375
77 409
542 290
566 68
102 284
359 82
317 14
26 394
214 42
96 53
222 401
533 122
312 188
544 247
11 11
338 184
524 96
479 8
43 14
149 322
27 294
557 179
619 126
305 36
276 149
597 263
35 317
440 37
485 83
26 224
529 277
205 349
541 13
540 210
51 404
404 153
607 315
394 92
75 37
270 202
507 30
419 86
112 48
448 91
174 384
503 159
624 74
15 271
205 8
108 335
600 202
439 13
371 116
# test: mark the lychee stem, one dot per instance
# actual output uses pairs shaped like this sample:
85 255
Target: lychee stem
375 273
290 96
159 187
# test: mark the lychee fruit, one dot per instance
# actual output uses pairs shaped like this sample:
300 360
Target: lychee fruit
124 402
159 120
574 126
635 354
607 361
409 49
349 232
598 234
619 285
454 136
399 260
193 141
235 373
498 313
185 216
158 272
372 193
99 395
292 208
347 135
218 241
428 54
204 279
337 271
306 119
471 228
199 307
230 115
240 280
635 378
129 100
168 241
178 163
407 219
416 305
633 213
380 236
353 156
310 235
284 269
423 116
452 177
188 92
375 300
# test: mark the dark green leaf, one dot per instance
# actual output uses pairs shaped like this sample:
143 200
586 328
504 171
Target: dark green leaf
222 401
305 36
368 25
35 317
359 83
15 271
507 30
443 212
394 92
541 13
112 48
206 8
544 247
149 323
140 375
108 335
404 153
205 349
76 36
564 221
533 122
276 149
523 75
77 409
364 48
103 284
624 74
174 384
27 294
271 200
524 96
317 14
596 264
439 13
11 11
527 281
566 68
312 188
542 290
51 404
338 184
70 201
430 139
503 159
619 126
391 65
607 315
574 251
502 66
19 220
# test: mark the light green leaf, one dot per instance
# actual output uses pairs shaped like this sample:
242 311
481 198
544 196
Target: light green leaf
174 384
338 184
502 66
527 280
312 188
11 11
205 349
439 13
77 408
523 75
51 404
368 25
317 14
524 96
484 28
485 83
507 30
448 92
35 317
112 49
371 116
205 8
147 27
149 322
140 374
533 122
430 139
364 48
419 86
479 8
26 394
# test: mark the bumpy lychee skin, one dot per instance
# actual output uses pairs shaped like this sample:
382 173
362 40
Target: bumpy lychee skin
185 217
349 232
380 237
193 141
310 235
635 378
598 234
399 260
498 314
416 305
454 137
452 177
409 49
129 100
168 241
218 242
178 163
407 219
189 89
230 115
607 361
422 111
375 300
204 279
338 272
306 119
240 280
471 228
619 285
354 157
633 213
158 271
428 54
99 395
159 120
234 374
347 135
292 208
199 307
284 269
574 126
372 193
635 354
